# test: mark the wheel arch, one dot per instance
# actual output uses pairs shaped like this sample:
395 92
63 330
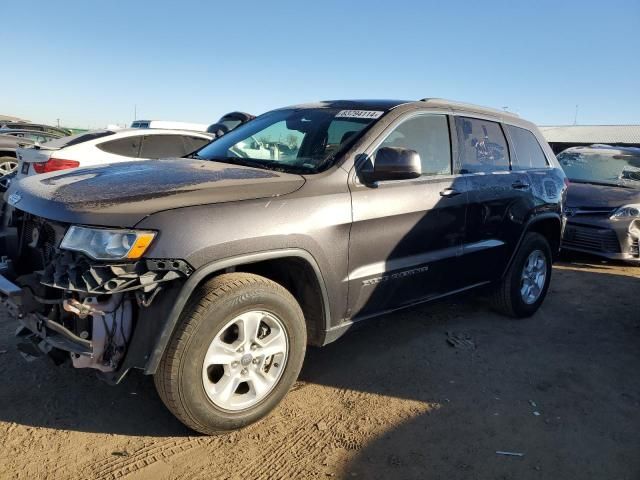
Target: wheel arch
277 265
549 225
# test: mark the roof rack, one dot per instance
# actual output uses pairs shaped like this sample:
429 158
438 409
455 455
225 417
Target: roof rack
469 106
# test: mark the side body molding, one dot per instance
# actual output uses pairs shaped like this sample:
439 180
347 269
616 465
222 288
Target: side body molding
219 265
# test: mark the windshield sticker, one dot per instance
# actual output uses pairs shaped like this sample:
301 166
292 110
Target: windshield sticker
359 114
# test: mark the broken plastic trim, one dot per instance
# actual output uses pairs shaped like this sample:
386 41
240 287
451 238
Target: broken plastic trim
76 272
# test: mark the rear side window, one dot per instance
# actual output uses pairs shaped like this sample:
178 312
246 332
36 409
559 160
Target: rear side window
191 144
483 147
127 147
162 146
527 150
429 136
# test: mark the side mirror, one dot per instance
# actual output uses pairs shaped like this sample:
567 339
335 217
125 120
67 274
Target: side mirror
394 163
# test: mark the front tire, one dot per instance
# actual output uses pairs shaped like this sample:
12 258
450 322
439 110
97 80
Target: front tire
236 352
522 290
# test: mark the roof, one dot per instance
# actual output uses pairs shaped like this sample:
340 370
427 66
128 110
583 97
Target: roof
629 134
442 102
352 104
129 132
390 104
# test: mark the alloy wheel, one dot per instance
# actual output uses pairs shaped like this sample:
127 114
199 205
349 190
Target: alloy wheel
245 360
534 276
6 171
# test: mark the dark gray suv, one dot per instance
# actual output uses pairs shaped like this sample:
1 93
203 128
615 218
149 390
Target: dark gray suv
213 273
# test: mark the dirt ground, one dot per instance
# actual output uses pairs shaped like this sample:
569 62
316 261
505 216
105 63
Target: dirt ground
431 393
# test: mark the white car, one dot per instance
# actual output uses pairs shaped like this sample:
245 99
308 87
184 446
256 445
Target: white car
168 125
100 147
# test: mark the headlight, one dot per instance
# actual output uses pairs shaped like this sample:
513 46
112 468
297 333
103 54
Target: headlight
103 244
628 211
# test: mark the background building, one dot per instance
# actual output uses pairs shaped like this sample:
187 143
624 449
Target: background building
565 136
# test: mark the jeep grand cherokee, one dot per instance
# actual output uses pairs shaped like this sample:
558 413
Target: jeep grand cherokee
214 273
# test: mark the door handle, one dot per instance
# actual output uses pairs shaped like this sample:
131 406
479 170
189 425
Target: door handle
449 192
520 185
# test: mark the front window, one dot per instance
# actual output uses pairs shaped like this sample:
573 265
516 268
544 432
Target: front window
428 135
609 167
296 140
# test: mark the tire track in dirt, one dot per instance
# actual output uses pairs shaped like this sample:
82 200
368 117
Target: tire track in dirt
165 450
296 445
118 467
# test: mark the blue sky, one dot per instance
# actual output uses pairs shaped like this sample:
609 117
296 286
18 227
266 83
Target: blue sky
88 63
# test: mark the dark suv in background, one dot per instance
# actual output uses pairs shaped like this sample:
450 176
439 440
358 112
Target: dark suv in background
214 273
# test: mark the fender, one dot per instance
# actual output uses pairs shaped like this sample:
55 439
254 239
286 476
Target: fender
220 265
533 220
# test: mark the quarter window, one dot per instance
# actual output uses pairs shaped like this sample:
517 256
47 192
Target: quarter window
191 144
127 147
528 152
162 146
483 147
429 136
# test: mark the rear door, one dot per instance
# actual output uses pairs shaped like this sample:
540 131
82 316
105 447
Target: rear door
499 198
407 235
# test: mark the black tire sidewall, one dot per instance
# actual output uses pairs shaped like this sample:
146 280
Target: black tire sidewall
220 312
533 241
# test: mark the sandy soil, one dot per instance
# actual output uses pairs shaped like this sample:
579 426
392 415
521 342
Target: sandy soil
430 393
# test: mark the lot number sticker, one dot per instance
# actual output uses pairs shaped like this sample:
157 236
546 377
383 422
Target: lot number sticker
359 114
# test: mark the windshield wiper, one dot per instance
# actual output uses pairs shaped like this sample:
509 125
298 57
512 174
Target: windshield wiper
262 164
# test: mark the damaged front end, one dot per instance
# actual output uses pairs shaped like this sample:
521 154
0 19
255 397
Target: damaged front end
96 314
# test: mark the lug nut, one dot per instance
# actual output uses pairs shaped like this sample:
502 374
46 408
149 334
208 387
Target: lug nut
244 371
255 361
253 346
234 364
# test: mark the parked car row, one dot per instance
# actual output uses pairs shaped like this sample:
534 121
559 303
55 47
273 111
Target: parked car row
214 269
14 135
33 149
101 147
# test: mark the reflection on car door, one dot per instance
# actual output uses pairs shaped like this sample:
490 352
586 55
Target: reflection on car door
407 235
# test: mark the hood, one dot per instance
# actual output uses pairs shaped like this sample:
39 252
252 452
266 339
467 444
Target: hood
121 195
600 196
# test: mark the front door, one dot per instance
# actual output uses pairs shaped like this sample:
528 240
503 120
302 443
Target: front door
407 235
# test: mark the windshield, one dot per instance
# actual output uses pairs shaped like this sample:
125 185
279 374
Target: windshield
611 167
292 140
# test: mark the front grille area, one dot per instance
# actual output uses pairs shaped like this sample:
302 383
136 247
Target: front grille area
40 236
38 240
590 238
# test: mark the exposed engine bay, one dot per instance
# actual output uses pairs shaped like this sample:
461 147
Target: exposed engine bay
72 307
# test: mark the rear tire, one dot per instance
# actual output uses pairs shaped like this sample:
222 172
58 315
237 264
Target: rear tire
522 290
195 378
